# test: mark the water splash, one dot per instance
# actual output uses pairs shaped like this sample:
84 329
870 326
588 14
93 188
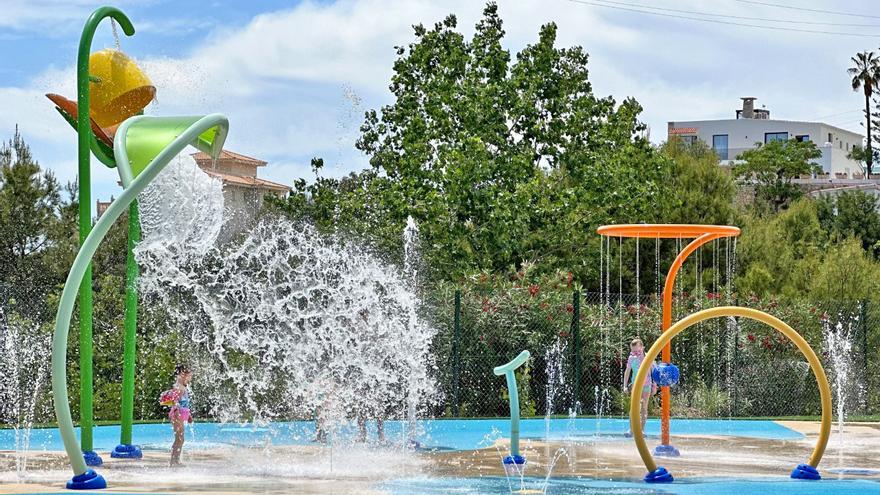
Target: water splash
556 386
518 483
839 346
115 29
284 322
182 213
411 262
24 370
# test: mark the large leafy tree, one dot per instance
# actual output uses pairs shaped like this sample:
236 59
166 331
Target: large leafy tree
806 252
772 167
865 74
502 160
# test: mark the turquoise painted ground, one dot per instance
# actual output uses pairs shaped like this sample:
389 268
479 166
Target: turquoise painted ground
573 486
434 434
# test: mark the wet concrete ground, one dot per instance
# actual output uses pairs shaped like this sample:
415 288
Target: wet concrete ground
318 470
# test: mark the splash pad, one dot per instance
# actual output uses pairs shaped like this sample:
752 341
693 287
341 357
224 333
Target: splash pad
192 129
143 149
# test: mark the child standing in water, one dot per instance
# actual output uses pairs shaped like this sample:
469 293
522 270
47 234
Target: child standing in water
179 400
649 388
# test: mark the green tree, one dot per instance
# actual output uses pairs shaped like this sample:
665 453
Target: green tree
332 203
772 167
846 273
64 234
504 162
702 191
865 74
804 254
852 213
777 254
29 201
862 154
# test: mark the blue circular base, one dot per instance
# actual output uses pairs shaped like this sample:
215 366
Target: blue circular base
805 472
659 475
127 451
89 480
514 459
92 458
666 451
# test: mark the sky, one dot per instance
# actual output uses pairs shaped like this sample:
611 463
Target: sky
295 77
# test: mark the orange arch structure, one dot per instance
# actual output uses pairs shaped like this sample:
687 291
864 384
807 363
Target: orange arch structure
699 235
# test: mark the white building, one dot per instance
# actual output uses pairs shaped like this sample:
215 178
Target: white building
753 127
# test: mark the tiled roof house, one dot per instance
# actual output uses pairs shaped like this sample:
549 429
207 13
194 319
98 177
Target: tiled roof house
243 191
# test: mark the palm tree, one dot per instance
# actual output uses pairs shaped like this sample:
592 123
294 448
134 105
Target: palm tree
866 75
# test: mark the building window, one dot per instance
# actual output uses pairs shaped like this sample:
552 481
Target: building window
830 138
719 144
802 138
689 140
769 137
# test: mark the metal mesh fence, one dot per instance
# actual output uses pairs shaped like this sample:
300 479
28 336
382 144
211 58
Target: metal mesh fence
731 367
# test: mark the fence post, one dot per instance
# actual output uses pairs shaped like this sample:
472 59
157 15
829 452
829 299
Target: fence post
863 317
576 347
456 353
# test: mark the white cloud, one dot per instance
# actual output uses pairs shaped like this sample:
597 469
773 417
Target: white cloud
285 78
27 14
51 18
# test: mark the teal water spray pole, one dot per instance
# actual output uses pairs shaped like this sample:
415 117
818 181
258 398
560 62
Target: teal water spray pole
514 460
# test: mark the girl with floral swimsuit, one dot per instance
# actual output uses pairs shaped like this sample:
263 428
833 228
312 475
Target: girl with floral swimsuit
180 410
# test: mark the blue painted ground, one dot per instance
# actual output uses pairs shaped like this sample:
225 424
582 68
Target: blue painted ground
575 486
435 434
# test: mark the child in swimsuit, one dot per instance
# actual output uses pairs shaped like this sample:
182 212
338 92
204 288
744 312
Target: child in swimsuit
649 388
179 414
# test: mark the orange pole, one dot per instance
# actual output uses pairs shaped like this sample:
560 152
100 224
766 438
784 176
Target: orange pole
666 357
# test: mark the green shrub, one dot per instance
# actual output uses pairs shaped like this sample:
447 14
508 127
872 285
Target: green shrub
701 401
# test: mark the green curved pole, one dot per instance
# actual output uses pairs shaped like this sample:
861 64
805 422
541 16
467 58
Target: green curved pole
84 138
81 265
508 371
